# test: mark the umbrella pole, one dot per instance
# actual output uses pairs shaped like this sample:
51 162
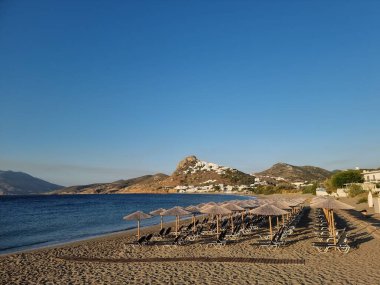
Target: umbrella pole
193 223
330 221
242 219
333 226
177 226
270 227
217 225
232 223
138 229
277 224
161 222
283 220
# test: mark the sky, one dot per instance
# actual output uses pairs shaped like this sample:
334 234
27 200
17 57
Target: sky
96 91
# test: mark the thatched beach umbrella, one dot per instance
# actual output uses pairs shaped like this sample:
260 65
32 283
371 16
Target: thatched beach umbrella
293 203
261 202
158 213
218 211
139 215
331 204
283 206
246 205
268 210
194 210
177 212
233 208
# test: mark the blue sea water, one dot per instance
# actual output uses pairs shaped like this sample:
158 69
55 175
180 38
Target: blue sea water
28 222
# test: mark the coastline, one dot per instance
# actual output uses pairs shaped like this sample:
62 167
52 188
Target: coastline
107 232
130 233
110 259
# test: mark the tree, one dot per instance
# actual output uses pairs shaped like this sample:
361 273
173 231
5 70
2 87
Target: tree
355 190
312 189
339 179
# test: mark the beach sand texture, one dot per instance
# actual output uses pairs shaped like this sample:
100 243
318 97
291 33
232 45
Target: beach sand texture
111 255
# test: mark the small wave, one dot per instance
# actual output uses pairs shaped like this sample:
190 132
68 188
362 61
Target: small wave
32 244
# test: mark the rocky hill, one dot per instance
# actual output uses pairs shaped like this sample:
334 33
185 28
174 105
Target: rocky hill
20 183
189 172
120 186
192 171
294 173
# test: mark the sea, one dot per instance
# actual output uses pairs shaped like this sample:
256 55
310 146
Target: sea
30 222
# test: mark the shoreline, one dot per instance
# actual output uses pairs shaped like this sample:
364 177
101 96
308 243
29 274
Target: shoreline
111 259
127 231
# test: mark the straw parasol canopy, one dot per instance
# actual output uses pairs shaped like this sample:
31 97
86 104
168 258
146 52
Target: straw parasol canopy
233 208
268 210
218 211
261 202
293 203
329 205
194 210
283 206
158 213
205 207
246 204
177 212
139 215
253 203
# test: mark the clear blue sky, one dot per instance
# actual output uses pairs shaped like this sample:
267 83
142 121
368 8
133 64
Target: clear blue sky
95 91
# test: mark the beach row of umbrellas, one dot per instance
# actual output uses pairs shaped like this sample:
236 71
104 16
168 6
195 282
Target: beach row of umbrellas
264 207
328 205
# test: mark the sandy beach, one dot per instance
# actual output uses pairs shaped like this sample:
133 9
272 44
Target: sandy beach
112 260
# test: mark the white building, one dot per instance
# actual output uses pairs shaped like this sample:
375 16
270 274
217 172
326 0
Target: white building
371 175
321 192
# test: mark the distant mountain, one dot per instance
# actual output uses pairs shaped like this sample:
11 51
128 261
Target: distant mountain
189 172
120 186
19 183
294 173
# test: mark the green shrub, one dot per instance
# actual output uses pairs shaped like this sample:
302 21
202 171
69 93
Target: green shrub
355 190
267 190
216 188
312 189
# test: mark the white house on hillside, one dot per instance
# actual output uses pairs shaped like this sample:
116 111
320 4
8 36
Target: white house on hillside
371 175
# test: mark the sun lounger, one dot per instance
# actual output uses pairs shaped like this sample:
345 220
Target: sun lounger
279 239
138 242
221 240
179 240
196 235
341 245
160 234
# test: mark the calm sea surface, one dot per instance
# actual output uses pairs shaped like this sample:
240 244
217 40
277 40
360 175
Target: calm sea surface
35 221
